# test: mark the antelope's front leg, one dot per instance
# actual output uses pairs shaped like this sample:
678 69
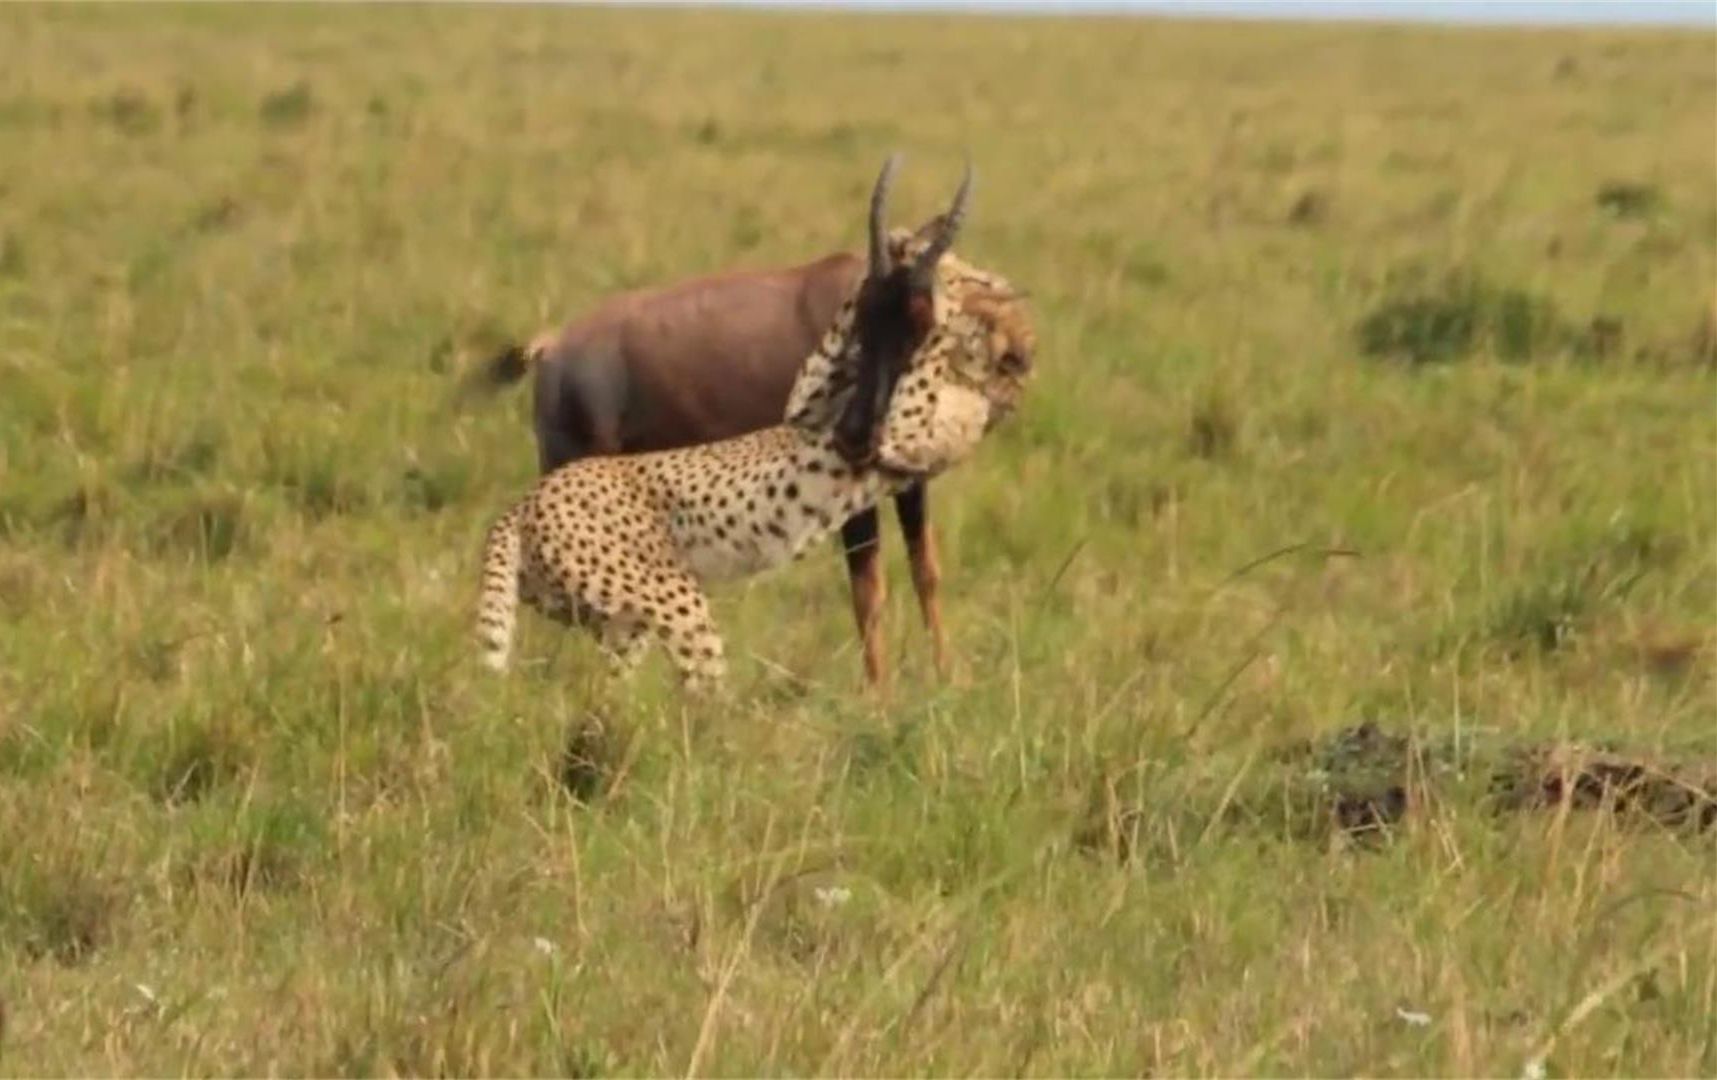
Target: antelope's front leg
861 542
912 505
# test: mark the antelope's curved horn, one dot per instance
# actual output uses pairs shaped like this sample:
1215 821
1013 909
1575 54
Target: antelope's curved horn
879 261
947 227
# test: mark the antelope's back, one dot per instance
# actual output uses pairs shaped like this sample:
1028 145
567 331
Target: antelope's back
716 357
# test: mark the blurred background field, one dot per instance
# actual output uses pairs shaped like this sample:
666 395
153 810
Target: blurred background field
1425 313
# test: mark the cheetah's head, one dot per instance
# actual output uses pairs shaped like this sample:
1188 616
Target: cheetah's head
984 339
970 374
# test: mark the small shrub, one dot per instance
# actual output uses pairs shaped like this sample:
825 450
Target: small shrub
216 215
12 261
155 657
1423 329
288 107
1601 339
592 757
183 456
1213 430
264 849
197 758
1137 262
23 583
1703 342
82 517
826 916
210 527
1546 613
1310 208
76 720
1143 270
1457 316
873 753
1523 325
56 911
435 488
129 111
314 479
1629 199
747 230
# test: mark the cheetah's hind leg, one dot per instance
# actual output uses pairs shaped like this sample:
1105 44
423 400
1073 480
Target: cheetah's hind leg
671 605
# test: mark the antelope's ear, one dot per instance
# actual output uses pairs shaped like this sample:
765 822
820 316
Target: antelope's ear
926 232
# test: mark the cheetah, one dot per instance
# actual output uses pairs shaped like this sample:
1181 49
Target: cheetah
922 360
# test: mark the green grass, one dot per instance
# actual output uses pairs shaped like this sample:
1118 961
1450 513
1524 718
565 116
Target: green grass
1434 297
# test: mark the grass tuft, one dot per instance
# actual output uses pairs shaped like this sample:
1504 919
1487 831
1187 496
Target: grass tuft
1452 318
194 760
593 757
1213 430
14 264
61 913
288 107
1629 199
207 526
130 111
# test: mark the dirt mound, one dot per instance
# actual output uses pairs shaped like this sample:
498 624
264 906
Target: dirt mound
1360 781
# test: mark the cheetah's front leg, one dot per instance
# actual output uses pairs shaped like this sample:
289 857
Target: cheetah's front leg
623 644
678 612
697 653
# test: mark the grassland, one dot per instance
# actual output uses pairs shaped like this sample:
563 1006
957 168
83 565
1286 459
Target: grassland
1431 304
